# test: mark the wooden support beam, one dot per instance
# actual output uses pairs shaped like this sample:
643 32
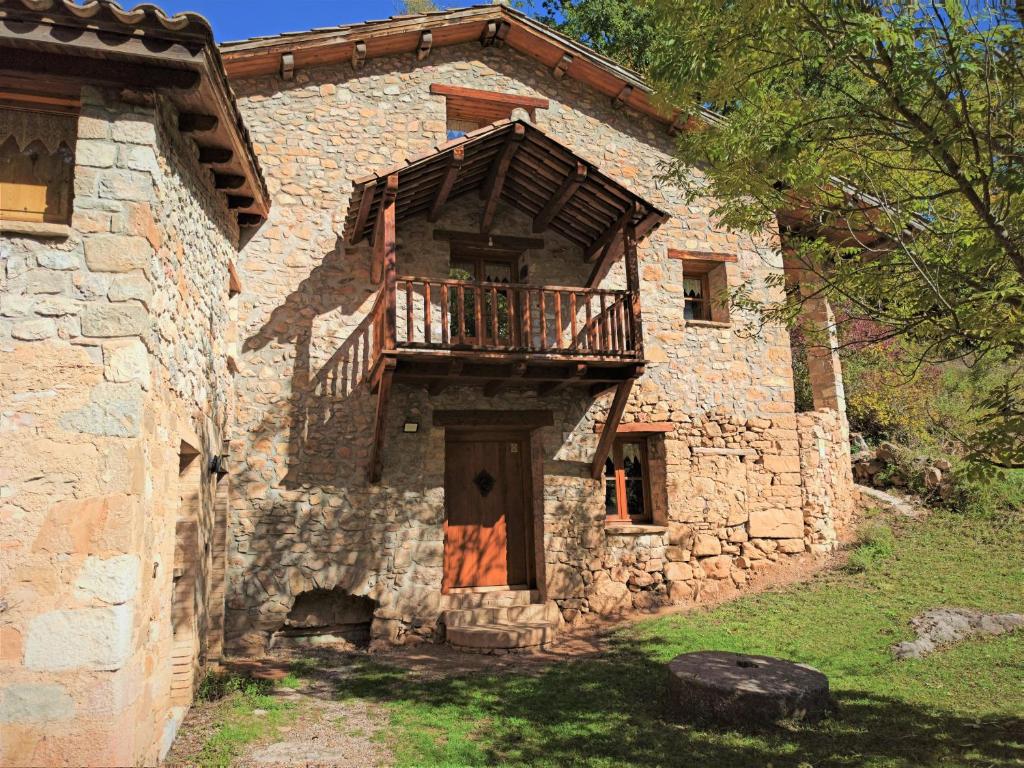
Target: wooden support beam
611 424
287 66
455 161
620 100
375 467
491 388
240 201
249 219
494 33
636 326
358 55
454 371
364 213
227 181
600 246
561 66
678 123
423 48
554 386
96 71
562 196
190 122
215 155
384 239
491 191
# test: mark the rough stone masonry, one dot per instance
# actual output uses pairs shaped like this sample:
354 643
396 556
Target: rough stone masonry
745 479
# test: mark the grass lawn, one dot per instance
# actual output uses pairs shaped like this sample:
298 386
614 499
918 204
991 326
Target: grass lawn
962 706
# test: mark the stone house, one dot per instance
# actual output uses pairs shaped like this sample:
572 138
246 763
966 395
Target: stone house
458 370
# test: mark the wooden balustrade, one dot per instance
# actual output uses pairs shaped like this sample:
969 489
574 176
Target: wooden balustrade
447 314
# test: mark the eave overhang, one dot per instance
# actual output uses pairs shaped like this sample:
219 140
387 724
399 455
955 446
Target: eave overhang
59 41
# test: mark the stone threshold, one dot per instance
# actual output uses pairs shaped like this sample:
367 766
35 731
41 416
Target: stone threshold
630 529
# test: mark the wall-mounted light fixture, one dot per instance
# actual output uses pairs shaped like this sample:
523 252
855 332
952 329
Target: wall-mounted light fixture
411 426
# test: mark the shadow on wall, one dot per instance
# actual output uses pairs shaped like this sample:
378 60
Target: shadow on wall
330 410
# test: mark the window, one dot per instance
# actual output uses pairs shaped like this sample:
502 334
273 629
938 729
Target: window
704 282
478 265
627 492
469 108
37 161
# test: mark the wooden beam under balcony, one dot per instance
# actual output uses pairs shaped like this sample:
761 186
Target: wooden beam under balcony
611 425
496 176
384 248
558 200
599 249
375 466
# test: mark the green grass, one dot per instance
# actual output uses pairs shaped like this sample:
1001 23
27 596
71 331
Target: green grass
239 701
961 707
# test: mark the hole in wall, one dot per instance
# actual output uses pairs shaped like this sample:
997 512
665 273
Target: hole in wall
327 616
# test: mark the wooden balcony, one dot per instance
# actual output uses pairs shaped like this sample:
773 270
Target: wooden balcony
439 332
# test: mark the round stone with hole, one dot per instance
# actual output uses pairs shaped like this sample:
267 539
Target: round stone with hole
738 689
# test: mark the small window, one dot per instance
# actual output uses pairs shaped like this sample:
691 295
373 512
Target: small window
705 282
37 162
469 108
627 493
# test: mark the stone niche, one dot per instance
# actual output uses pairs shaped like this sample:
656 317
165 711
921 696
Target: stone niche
330 615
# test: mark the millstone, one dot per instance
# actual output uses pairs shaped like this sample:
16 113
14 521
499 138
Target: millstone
737 689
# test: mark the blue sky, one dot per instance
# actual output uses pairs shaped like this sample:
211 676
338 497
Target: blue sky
237 19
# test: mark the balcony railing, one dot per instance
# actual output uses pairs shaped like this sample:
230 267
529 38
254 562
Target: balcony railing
419 313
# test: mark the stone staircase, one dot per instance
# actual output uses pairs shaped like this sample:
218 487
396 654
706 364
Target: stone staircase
499 621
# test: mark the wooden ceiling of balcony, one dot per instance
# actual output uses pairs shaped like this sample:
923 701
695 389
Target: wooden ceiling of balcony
516 163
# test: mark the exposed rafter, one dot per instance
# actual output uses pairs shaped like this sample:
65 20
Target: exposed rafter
602 244
358 55
561 66
454 165
496 176
287 66
426 41
558 200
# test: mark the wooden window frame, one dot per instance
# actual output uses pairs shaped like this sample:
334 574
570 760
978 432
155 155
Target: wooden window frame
699 265
622 516
474 107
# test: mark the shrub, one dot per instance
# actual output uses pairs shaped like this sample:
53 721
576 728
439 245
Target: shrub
218 684
876 544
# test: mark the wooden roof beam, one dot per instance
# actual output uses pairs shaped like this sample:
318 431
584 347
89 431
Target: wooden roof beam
601 246
494 33
358 55
426 42
561 66
497 174
195 123
383 241
562 196
455 161
227 181
364 213
215 155
623 96
287 66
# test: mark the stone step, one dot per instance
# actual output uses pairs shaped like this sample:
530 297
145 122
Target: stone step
537 613
458 599
499 637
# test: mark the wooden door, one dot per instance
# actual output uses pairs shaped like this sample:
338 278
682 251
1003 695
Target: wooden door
487 526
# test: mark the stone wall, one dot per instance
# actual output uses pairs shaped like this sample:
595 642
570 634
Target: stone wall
304 518
112 340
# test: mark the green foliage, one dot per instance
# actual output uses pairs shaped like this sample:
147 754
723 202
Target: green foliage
890 133
620 29
416 6
216 685
876 543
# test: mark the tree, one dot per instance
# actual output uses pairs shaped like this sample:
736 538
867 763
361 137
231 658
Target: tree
894 127
416 6
620 29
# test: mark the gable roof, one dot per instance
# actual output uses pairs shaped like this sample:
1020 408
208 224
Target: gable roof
538 175
47 44
418 33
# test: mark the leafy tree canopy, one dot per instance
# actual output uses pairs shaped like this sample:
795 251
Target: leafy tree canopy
893 127
621 29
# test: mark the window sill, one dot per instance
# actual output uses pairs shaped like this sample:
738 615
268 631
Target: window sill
34 229
709 323
615 528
